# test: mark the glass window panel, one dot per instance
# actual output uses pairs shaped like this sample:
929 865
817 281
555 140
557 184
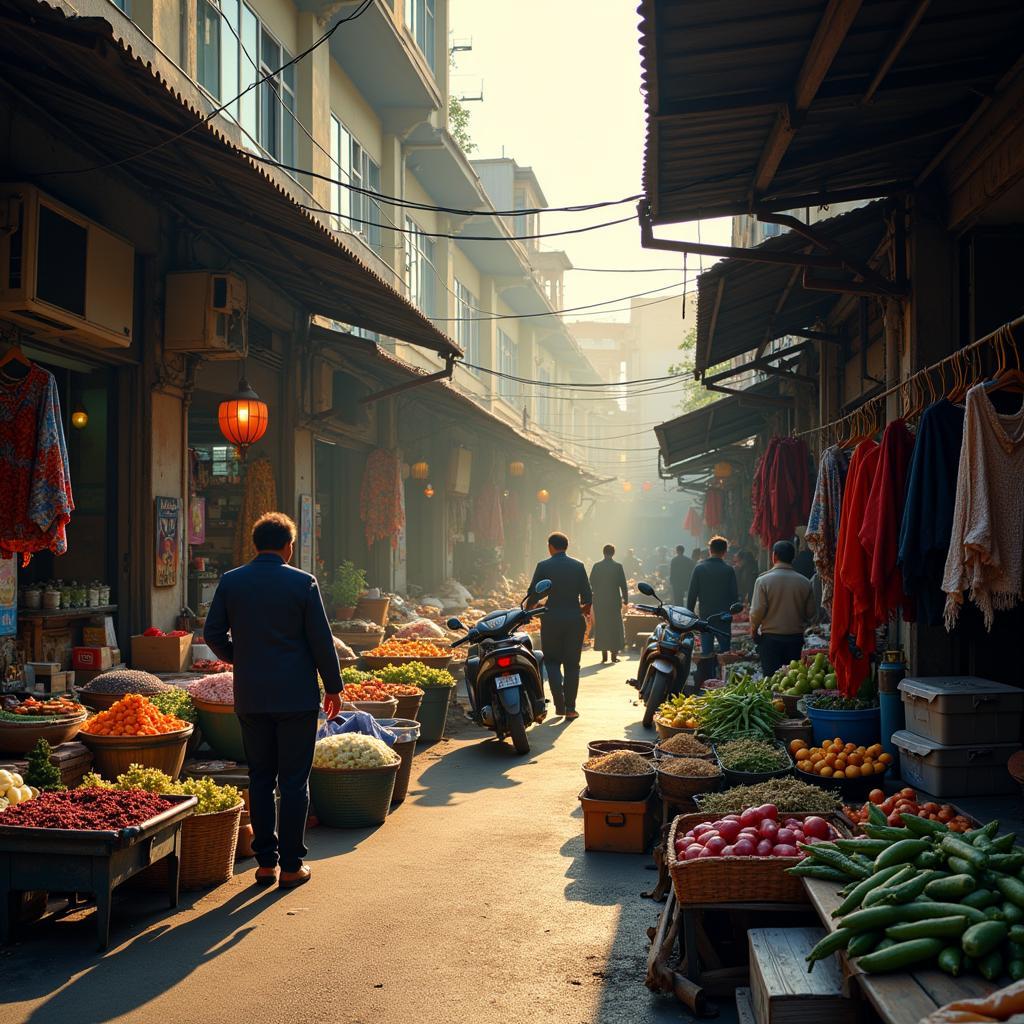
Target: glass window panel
288 129
248 104
230 54
208 47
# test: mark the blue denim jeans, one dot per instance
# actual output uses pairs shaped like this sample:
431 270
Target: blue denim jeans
708 641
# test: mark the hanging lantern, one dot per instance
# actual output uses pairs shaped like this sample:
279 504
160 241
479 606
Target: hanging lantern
723 470
543 496
516 469
647 485
626 486
428 491
243 417
419 470
79 418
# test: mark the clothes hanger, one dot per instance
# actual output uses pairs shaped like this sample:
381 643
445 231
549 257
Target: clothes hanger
12 356
1007 379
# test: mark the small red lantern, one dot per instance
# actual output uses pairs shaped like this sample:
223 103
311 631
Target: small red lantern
428 491
243 417
647 485
626 486
543 496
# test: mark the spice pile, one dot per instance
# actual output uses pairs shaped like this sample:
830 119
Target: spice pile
87 809
749 755
620 762
684 743
401 690
689 767
217 689
789 795
126 680
133 715
395 648
357 626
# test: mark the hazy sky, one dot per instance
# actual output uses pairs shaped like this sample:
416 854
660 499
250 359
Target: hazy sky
561 85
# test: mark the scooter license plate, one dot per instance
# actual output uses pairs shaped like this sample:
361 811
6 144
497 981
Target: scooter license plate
504 682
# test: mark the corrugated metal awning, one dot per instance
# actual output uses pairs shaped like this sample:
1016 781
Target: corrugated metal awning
743 305
794 102
130 117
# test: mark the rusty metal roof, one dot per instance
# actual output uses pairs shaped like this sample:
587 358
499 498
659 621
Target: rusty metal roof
786 103
127 113
743 305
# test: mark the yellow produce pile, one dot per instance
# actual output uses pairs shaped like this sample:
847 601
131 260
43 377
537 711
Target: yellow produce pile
13 790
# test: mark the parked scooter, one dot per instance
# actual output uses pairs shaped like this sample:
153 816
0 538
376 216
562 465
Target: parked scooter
665 663
504 673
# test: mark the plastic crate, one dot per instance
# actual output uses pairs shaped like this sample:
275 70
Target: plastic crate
955 710
617 826
973 769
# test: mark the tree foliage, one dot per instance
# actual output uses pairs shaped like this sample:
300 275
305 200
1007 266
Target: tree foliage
458 125
693 396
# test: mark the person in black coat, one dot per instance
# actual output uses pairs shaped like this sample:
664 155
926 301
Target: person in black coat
280 638
679 572
562 626
611 595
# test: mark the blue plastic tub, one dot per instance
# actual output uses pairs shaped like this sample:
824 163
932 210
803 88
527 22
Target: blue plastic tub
859 727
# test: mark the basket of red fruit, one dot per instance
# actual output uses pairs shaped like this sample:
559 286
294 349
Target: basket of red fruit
369 696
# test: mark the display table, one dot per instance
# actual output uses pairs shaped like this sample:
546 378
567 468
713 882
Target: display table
902 998
33 622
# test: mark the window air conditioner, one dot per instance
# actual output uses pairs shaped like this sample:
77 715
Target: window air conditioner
205 312
61 274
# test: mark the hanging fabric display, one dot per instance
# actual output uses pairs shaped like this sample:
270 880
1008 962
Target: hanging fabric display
781 491
928 513
986 551
823 522
488 523
35 479
258 498
714 508
380 498
693 524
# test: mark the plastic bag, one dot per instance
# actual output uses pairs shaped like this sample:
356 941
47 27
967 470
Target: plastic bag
355 721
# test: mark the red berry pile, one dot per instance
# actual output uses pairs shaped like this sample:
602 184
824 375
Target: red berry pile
87 809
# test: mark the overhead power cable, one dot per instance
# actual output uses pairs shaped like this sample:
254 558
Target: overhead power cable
664 378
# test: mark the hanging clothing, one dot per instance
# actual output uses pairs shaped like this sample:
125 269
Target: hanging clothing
781 492
488 522
714 508
258 498
986 551
35 479
823 521
883 514
381 506
693 524
928 510
608 583
852 640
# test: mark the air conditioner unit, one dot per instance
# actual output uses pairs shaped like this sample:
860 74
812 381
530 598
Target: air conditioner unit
205 312
61 274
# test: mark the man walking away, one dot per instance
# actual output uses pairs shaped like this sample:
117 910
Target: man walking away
680 570
782 607
280 638
712 591
632 565
611 595
562 626
804 562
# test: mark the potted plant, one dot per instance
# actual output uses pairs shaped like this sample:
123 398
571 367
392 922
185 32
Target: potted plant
348 583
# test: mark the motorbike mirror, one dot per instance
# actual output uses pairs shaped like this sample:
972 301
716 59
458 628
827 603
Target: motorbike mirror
454 623
542 587
735 609
646 588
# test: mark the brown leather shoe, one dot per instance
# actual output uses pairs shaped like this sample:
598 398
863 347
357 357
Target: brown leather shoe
293 879
266 876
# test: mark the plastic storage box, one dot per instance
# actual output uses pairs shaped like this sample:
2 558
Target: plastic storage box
954 710
617 826
971 769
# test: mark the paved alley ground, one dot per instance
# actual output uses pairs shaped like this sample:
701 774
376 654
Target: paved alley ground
474 902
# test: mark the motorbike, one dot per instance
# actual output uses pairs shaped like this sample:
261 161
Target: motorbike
504 674
665 663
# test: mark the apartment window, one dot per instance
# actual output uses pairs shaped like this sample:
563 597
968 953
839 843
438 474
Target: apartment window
341 169
351 165
506 365
233 51
121 5
419 267
467 327
419 20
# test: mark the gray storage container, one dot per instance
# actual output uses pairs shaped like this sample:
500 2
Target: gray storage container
955 710
973 769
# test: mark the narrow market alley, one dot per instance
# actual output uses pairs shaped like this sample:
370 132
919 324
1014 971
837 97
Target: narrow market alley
476 903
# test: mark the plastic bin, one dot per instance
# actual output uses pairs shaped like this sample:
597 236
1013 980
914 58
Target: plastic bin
861 728
954 710
617 826
963 770
408 732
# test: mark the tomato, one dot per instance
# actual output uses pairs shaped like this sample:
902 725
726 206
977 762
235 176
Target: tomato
768 811
716 844
908 793
693 852
750 816
784 850
707 853
729 831
945 813
894 819
699 830
876 796
728 851
744 848
769 829
765 847
817 828
785 836
930 808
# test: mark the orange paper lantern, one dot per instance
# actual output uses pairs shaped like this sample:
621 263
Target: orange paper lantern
626 486
647 485
243 417
543 496
428 491
420 470
516 469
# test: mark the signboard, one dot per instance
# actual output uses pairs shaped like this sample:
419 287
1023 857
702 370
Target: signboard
8 596
168 541
197 520
306 532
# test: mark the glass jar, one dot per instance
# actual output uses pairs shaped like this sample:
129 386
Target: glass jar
51 599
93 595
33 597
104 594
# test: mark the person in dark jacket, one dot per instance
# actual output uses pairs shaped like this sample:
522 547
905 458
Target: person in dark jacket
680 570
562 626
712 590
280 638
611 595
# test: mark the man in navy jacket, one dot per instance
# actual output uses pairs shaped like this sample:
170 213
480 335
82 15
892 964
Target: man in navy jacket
280 638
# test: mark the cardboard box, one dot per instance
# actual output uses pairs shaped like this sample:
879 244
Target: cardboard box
85 676
94 636
161 653
92 658
106 623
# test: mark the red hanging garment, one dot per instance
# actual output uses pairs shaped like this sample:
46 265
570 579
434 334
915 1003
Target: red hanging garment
853 613
693 524
714 506
781 492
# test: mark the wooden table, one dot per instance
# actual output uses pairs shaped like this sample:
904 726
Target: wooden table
902 998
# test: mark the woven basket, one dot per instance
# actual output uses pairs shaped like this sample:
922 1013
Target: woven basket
353 797
113 755
378 708
735 879
686 787
667 731
603 786
736 778
208 846
599 747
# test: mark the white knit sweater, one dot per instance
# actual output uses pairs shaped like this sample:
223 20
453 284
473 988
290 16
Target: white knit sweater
986 550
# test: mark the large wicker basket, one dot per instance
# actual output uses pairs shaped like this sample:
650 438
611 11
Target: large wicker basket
353 797
735 879
112 755
604 786
686 787
643 747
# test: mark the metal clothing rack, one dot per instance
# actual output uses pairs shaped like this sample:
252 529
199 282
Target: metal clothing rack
958 361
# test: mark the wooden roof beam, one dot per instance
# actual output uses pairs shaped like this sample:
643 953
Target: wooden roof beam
829 37
913 20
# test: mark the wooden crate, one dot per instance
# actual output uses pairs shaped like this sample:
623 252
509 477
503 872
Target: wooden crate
781 989
73 759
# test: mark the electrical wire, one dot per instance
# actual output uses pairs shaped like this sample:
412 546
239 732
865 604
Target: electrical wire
624 270
568 384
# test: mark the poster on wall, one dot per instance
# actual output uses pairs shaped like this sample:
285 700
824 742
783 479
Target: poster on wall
8 596
167 541
197 520
306 532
